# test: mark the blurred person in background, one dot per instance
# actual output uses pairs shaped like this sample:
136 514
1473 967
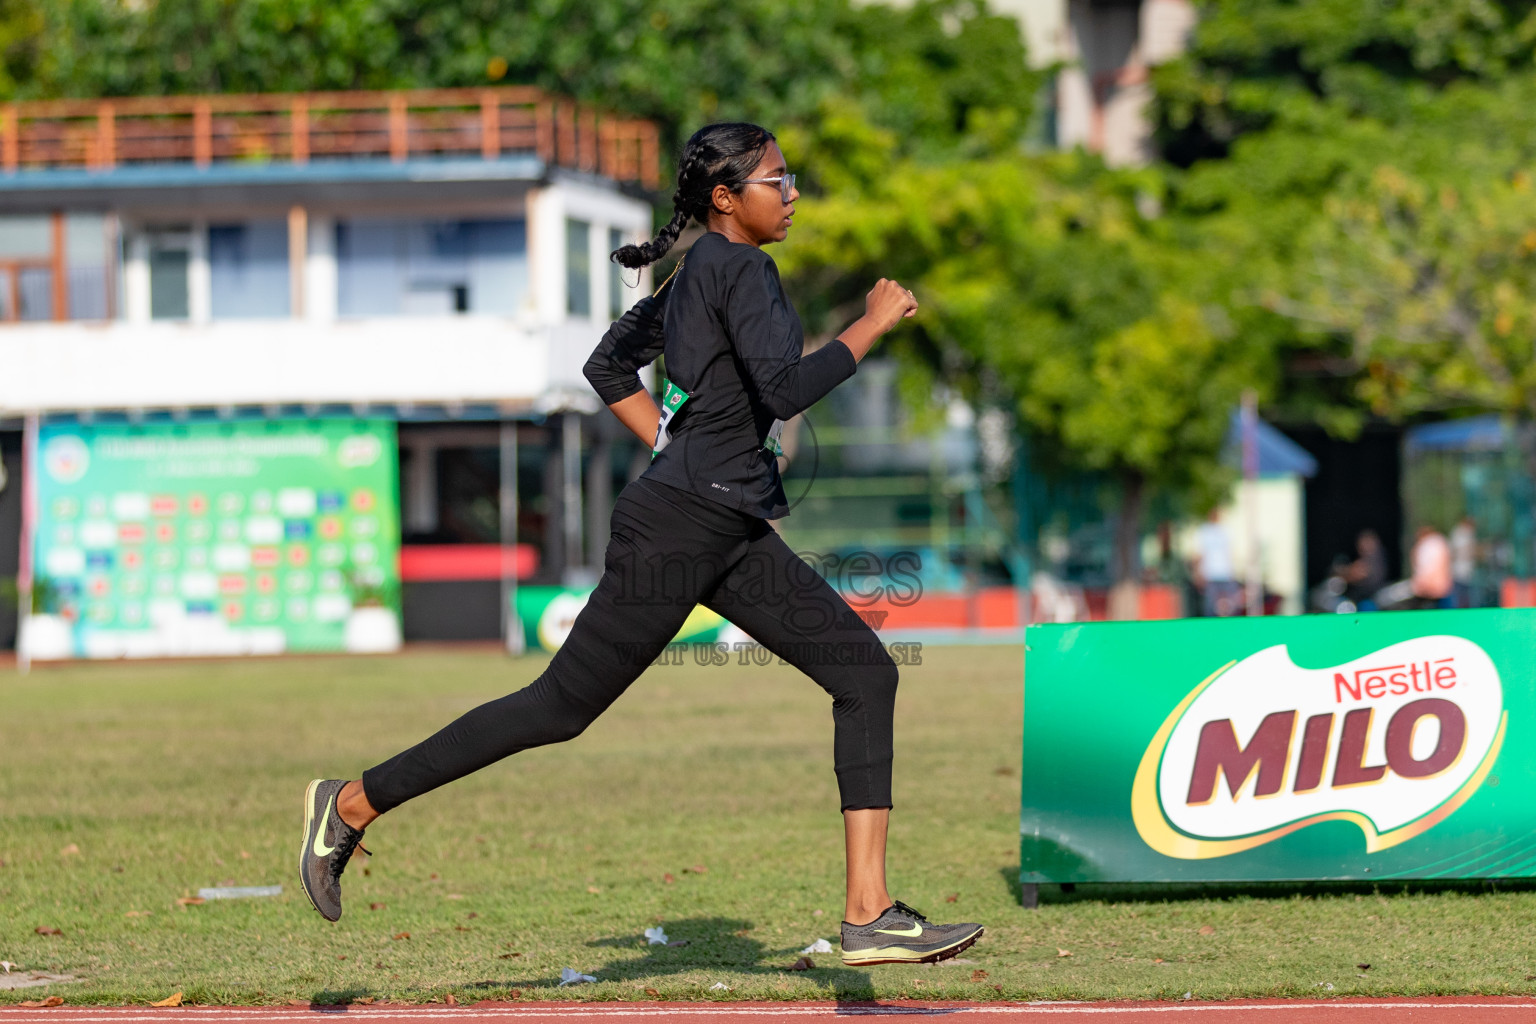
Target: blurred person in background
1367 574
1214 569
1464 562
1432 580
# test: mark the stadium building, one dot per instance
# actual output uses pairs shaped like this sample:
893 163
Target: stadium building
406 284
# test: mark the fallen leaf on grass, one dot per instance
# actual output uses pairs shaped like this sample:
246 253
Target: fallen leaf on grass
471 915
69 851
802 964
978 975
462 928
298 1002
952 897
1363 967
1206 929
594 890
571 976
190 901
170 1000
401 935
1063 952
1002 771
697 869
364 1000
33 1004
137 913
375 906
652 992
508 956
245 855
667 879
450 999
1157 960
44 929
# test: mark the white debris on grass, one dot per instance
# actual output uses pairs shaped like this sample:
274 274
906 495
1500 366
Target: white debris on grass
655 936
819 946
720 986
569 976
8 965
239 892
31 979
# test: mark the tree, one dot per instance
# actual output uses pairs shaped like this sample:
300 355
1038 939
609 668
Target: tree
932 71
1053 286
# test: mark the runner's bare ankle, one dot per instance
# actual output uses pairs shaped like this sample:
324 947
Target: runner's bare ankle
353 806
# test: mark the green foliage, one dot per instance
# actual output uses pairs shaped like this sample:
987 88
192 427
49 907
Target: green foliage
939 74
1253 63
1052 286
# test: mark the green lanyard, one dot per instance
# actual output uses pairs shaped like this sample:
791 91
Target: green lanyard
672 399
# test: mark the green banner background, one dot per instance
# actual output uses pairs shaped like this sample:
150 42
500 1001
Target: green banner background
1097 694
243 536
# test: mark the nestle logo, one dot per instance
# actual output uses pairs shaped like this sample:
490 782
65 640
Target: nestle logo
1263 748
1396 680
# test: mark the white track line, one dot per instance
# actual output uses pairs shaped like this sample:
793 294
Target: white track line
147 1015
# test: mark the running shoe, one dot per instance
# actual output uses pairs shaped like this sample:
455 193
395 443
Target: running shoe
328 845
901 935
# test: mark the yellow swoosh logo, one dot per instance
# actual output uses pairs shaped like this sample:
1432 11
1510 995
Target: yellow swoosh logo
909 933
325 851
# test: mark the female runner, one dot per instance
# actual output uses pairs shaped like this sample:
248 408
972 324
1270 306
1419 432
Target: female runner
692 529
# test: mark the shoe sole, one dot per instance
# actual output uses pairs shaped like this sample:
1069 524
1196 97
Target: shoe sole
884 955
309 825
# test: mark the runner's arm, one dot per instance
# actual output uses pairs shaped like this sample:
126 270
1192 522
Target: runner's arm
613 369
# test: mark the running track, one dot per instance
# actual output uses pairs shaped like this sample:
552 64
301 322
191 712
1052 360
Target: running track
1449 1010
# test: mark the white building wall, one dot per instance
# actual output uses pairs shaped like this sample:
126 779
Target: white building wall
534 357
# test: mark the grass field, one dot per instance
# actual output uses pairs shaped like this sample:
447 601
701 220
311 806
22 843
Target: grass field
124 787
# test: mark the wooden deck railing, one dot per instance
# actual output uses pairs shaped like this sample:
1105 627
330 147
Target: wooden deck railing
300 127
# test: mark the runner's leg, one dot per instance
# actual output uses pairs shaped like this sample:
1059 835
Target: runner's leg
784 604
655 569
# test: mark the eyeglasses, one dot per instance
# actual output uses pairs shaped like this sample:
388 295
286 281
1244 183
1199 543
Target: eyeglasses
786 183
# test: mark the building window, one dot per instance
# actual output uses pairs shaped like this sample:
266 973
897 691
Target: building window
394 267
616 303
248 269
55 266
578 268
89 259
170 254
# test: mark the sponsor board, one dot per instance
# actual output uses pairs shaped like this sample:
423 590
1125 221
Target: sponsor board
204 538
1326 747
548 614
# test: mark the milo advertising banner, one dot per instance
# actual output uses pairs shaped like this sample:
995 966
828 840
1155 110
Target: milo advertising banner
1387 745
237 537
548 613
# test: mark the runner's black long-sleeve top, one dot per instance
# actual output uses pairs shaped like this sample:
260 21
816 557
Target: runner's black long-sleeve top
733 343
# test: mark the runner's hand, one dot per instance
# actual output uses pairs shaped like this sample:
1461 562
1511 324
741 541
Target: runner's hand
888 303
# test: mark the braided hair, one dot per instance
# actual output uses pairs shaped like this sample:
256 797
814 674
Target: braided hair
717 154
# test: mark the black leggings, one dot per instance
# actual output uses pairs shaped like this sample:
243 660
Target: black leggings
669 550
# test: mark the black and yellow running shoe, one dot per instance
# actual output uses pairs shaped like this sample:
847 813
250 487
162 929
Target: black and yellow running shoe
900 935
328 845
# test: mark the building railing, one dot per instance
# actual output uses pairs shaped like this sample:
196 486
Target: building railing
300 127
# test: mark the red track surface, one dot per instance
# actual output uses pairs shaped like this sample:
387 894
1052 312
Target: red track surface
1448 1010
